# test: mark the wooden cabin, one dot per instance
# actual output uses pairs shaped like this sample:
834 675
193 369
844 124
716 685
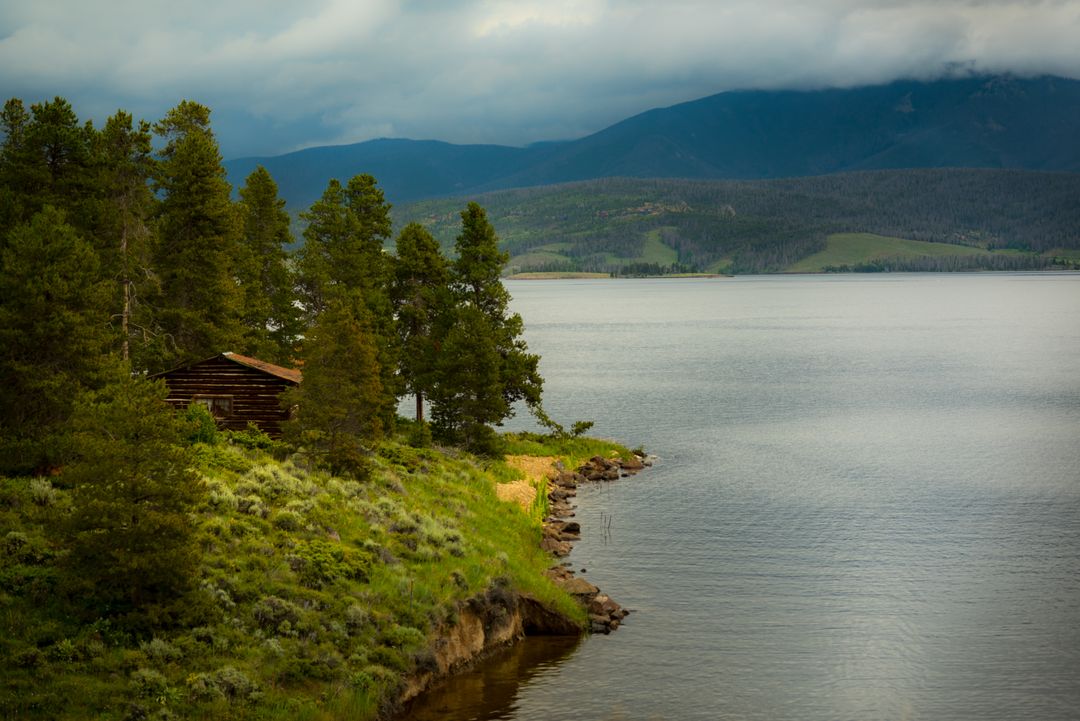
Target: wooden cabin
236 389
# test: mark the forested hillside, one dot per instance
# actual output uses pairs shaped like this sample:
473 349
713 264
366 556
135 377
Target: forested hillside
630 225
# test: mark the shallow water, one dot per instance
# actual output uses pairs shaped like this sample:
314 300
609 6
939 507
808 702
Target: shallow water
867 507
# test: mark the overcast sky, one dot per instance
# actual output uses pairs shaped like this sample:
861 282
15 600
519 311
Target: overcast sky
281 74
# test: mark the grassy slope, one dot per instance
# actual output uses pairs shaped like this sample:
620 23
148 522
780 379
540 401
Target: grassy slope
852 248
321 593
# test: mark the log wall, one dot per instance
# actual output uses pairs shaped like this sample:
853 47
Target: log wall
255 395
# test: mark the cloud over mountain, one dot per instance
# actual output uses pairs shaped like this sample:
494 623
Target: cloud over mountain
282 75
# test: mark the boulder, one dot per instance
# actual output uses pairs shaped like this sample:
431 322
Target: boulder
579 587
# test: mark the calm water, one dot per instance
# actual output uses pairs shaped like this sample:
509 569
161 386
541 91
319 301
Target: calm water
868 505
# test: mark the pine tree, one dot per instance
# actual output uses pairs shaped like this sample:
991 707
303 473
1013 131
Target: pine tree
54 337
200 307
483 307
131 533
469 396
270 317
46 160
421 295
124 235
343 254
338 414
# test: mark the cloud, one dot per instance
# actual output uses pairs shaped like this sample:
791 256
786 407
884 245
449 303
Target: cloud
282 75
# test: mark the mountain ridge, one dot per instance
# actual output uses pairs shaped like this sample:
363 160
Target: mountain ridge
970 122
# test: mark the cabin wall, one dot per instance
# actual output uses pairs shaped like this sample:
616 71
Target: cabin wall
255 395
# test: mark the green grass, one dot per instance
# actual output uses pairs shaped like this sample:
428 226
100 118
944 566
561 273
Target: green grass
317 594
854 248
657 251
571 451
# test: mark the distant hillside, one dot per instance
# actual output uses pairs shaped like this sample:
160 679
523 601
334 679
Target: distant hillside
978 122
634 225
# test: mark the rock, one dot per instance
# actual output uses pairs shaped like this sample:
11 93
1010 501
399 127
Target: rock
561 494
634 464
567 479
554 546
599 624
579 587
571 527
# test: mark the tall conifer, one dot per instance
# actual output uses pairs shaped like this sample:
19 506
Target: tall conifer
54 339
124 232
342 254
482 305
421 294
130 533
338 405
196 256
270 317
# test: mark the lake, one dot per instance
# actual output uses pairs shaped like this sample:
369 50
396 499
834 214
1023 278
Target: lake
867 504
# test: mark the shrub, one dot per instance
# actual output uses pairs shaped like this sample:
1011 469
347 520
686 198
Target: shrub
203 426
252 438
271 611
403 637
319 562
63 650
42 492
390 658
287 520
355 617
160 650
226 682
148 683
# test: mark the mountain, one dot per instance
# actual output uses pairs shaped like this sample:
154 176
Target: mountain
971 122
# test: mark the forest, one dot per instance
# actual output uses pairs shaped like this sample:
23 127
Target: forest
121 260
155 566
755 226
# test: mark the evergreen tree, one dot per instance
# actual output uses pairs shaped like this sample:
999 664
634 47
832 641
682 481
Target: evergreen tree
470 394
15 186
125 238
270 317
483 307
421 296
343 253
131 533
200 307
46 160
338 404
54 337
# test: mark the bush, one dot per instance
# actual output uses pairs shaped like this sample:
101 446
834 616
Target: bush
225 683
203 426
288 520
271 611
42 492
403 637
251 438
159 650
148 683
320 562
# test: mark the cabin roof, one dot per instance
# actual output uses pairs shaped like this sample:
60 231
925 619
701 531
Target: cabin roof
288 374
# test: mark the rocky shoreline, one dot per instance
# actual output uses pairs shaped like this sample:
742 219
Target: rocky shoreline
560 533
501 616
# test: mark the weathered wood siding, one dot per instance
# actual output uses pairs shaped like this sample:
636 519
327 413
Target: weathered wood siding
255 395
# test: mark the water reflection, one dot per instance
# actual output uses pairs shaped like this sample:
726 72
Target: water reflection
490 691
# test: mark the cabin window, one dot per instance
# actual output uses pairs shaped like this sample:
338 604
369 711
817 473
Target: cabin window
219 406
